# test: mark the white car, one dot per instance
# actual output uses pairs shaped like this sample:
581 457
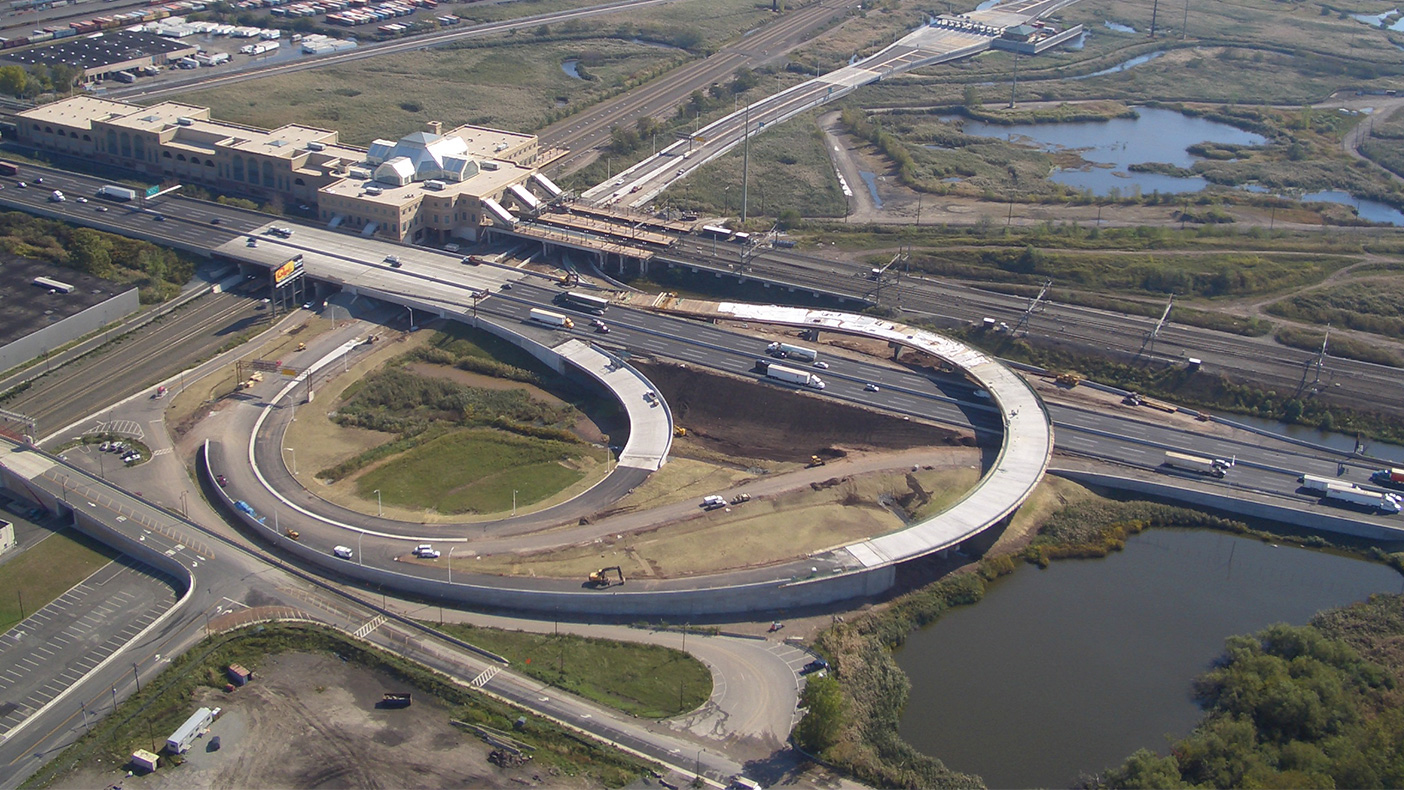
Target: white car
871 387
822 365
343 552
426 551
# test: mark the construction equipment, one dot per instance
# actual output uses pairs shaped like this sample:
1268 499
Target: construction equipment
1068 380
601 577
814 461
678 430
292 533
739 498
301 346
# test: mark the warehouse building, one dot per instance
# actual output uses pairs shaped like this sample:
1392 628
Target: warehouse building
104 54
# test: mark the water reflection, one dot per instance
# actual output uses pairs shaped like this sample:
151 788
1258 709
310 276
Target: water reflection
1076 667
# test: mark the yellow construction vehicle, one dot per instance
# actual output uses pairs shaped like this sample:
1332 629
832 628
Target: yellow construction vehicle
1068 380
678 430
601 577
292 533
814 461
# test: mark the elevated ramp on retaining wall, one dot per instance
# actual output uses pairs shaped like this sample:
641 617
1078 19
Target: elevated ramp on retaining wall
650 420
1023 457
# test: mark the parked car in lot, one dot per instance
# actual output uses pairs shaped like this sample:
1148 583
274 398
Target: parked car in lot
814 666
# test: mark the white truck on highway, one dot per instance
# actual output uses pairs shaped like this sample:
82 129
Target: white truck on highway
1214 467
550 319
792 376
1317 483
787 351
112 192
1348 494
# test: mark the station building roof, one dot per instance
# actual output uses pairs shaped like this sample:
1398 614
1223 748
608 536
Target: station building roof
96 52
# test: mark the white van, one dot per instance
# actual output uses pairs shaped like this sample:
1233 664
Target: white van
344 552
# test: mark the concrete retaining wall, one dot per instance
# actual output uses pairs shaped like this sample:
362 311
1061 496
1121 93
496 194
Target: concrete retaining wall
61 333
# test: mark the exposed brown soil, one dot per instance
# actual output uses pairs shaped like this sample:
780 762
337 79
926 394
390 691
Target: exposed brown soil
747 419
309 720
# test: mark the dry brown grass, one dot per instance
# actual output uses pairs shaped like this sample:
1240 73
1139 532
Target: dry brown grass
762 532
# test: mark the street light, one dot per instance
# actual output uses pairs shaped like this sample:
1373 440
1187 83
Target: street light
514 502
360 537
294 456
380 510
450 563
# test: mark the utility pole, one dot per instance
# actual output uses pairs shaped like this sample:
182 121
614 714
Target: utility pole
746 163
1321 356
1035 305
1184 26
1154 8
1155 332
1014 85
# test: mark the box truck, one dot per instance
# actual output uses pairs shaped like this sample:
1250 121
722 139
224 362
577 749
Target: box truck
112 192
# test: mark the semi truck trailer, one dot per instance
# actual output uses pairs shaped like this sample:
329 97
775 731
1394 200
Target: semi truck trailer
793 376
112 192
1348 494
787 351
1214 467
551 319
1317 483
1394 478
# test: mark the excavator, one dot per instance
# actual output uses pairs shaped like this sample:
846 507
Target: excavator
600 578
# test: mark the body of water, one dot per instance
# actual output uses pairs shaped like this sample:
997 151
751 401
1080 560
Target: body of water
1075 667
1157 135
1336 441
1120 28
571 68
1123 66
871 180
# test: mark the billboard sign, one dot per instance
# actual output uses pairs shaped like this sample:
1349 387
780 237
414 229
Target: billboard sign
290 269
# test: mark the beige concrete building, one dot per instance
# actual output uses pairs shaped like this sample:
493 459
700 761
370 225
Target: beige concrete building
427 187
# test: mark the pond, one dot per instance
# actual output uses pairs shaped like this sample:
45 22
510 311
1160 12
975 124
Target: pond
1156 136
571 66
1118 27
1075 667
1123 66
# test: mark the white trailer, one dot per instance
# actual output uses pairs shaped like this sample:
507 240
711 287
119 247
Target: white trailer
1317 483
1215 467
1350 495
180 740
113 192
550 319
787 351
792 376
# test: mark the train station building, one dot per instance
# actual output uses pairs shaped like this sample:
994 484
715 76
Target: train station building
427 187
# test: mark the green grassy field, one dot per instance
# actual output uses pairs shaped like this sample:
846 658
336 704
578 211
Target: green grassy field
790 170
45 571
644 680
476 471
1376 305
511 82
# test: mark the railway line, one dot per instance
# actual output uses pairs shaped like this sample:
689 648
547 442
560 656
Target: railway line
67 395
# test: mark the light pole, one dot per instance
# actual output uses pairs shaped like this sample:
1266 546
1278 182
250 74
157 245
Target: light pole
379 510
294 457
360 537
450 565
514 502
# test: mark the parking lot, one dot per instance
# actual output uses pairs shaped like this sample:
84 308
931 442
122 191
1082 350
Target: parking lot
54 647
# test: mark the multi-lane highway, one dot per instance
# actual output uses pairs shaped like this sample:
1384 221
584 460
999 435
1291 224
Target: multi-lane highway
1260 361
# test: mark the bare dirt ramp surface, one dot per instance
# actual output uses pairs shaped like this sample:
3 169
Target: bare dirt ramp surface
309 720
758 420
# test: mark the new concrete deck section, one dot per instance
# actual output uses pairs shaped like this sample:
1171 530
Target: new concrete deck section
1023 456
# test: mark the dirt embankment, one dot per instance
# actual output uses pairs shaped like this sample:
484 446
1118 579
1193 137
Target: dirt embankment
753 420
